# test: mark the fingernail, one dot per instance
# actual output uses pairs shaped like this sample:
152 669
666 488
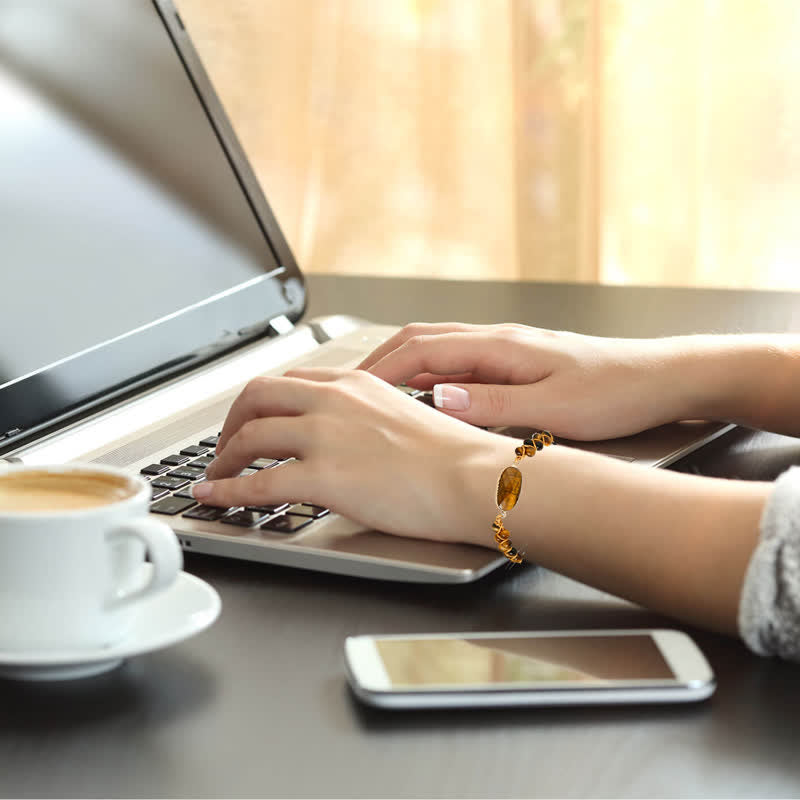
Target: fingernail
201 491
453 397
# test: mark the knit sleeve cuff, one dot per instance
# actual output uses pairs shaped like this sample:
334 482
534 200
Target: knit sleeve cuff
769 608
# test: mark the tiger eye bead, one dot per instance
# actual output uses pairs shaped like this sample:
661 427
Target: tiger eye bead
529 450
508 488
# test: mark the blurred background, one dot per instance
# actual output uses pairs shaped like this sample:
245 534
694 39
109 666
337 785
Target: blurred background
651 142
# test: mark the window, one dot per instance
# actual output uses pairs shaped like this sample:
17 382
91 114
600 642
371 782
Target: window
620 141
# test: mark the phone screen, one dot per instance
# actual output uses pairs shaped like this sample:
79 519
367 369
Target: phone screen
427 662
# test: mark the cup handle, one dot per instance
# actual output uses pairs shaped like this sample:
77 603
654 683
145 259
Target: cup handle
164 553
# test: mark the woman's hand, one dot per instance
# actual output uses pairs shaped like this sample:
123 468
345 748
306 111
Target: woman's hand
361 447
580 387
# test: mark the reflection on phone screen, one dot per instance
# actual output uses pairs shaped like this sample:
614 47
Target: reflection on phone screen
576 659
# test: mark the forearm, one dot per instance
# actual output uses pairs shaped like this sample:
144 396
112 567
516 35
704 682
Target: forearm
750 379
675 543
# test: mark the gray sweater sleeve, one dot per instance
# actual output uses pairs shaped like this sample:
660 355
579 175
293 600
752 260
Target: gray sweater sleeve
769 608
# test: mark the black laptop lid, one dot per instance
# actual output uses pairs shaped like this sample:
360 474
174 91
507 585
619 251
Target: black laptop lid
134 240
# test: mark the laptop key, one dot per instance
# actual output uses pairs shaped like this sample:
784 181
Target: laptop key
154 469
201 462
166 482
171 505
309 510
269 509
207 513
174 460
194 450
189 472
244 518
425 397
264 463
157 494
286 523
209 441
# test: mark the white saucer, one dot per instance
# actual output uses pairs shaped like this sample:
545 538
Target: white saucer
187 607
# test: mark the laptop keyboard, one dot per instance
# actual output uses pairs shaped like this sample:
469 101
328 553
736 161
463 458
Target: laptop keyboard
174 475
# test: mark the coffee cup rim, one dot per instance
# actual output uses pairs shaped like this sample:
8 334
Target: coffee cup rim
136 483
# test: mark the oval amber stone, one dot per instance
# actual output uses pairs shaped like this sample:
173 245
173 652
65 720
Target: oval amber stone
508 488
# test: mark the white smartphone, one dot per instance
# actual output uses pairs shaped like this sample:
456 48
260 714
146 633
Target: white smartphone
540 668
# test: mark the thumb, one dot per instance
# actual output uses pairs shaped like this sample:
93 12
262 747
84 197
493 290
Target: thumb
484 404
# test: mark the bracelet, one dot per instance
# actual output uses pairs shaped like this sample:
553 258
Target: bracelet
509 486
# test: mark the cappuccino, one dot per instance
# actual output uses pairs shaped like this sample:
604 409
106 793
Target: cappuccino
41 490
79 556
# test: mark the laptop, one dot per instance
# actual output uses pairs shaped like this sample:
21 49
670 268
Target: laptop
145 280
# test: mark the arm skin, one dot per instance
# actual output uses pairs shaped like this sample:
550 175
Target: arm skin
752 380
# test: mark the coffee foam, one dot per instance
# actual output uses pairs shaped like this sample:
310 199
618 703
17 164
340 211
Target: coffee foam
40 490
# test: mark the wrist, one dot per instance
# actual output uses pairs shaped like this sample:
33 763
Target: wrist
478 480
474 483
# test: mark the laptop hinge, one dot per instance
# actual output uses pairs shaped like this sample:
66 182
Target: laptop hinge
279 325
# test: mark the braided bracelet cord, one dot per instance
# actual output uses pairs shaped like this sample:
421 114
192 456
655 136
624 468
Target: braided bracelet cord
509 486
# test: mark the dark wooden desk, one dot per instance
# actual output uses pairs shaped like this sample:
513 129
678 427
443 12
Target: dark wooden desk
257 705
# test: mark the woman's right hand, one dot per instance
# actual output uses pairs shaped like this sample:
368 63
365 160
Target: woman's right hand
579 387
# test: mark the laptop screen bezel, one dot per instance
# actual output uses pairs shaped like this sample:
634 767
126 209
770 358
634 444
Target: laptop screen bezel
75 386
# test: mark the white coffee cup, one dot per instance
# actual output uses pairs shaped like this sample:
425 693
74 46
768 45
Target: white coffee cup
74 539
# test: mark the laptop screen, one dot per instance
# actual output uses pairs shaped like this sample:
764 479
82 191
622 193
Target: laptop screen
133 238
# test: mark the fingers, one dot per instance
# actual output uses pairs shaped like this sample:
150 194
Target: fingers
449 362
270 437
279 485
444 354
266 397
494 405
263 421
409 332
427 381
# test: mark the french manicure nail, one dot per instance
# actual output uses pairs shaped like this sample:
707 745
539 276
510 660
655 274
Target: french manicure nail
452 397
